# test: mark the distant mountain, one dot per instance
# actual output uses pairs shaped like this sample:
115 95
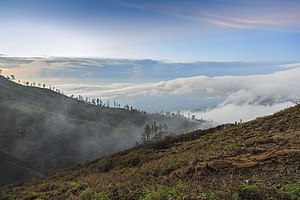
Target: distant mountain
42 131
255 160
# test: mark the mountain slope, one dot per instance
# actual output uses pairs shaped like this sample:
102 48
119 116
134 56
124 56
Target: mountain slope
51 131
254 160
12 168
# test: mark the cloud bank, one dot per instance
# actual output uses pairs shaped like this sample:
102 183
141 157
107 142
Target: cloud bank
233 97
206 89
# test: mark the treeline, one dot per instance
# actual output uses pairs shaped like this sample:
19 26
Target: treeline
102 103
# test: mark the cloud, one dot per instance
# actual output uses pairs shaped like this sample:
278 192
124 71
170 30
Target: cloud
271 15
155 85
280 85
125 70
226 24
234 113
244 97
292 65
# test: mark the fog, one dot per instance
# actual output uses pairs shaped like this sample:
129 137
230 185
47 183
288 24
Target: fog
49 131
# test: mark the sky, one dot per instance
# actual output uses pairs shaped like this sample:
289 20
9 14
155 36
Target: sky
222 60
172 30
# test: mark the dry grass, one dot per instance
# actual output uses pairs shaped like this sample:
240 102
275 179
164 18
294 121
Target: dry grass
254 160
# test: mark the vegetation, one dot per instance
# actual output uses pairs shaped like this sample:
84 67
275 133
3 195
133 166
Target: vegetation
253 160
42 131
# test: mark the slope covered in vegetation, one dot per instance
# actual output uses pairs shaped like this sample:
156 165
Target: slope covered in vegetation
47 131
254 160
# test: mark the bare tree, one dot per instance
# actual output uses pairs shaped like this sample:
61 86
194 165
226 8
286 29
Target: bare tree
147 132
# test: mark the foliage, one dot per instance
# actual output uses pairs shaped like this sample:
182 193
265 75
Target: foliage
163 192
292 190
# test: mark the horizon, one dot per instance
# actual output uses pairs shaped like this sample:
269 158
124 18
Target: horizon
207 89
156 55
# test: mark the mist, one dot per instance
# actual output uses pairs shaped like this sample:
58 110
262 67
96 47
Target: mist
47 131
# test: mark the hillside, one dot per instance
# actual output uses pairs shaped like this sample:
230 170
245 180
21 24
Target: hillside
42 131
254 160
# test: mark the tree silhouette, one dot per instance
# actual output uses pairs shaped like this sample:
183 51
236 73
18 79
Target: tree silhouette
147 132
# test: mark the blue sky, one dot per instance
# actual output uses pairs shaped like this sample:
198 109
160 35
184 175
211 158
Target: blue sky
189 30
219 59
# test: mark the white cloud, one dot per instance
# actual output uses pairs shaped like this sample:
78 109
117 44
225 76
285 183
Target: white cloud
281 86
233 112
244 97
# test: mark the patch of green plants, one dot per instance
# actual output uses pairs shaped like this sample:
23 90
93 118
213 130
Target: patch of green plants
257 191
75 188
164 192
292 190
210 194
116 192
87 195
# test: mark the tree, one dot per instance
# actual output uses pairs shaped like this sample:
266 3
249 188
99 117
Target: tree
0 72
165 127
12 77
147 132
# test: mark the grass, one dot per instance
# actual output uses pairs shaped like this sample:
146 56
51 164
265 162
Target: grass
211 164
